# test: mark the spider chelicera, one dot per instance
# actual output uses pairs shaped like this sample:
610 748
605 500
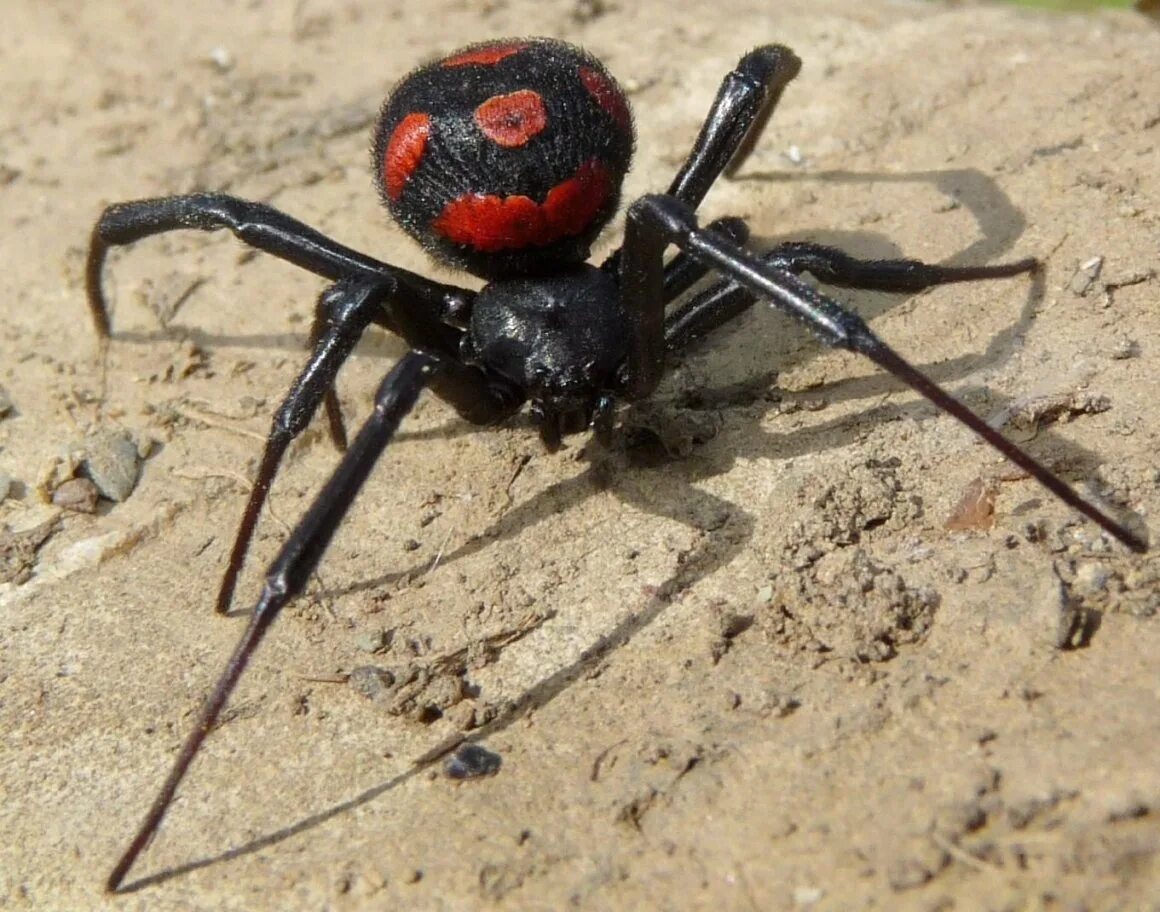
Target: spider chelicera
506 159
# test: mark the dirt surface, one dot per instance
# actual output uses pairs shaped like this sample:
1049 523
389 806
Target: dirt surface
741 662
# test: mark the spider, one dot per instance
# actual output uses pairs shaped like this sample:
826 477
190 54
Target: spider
506 159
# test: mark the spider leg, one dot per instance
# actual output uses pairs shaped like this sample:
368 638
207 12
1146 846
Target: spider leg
743 104
292 568
682 272
654 222
419 312
745 101
257 224
345 310
836 267
726 300
335 424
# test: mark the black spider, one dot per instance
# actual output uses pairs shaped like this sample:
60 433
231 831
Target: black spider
506 159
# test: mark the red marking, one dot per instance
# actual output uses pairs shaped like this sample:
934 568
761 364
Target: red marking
571 205
490 223
608 96
511 120
405 151
488 55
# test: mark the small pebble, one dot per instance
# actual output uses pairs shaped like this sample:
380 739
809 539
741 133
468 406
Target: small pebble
371 641
471 761
221 58
371 681
1085 275
77 494
112 462
1091 579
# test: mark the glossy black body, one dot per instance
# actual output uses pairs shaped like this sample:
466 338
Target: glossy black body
562 338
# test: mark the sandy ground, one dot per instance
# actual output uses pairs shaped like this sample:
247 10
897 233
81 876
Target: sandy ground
740 664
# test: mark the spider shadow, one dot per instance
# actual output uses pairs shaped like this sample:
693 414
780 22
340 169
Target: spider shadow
999 220
724 531
1000 224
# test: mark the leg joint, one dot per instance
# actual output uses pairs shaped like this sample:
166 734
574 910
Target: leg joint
672 217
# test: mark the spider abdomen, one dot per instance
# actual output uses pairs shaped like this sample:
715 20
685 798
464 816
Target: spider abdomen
505 158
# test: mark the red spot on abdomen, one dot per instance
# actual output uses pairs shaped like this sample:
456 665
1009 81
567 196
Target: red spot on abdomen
485 56
404 152
571 206
511 120
490 223
608 96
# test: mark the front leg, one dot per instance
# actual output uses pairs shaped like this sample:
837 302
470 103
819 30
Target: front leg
415 309
745 101
291 569
647 286
743 104
642 296
345 310
661 220
256 224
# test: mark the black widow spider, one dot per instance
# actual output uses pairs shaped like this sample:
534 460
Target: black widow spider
506 159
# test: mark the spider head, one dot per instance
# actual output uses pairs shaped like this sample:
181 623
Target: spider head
506 158
560 338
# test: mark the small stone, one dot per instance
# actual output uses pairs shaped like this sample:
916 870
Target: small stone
372 682
914 870
471 761
111 461
1091 580
1085 275
78 495
221 58
1056 617
371 641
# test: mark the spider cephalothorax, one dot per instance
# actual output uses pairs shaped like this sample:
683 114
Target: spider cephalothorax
562 338
506 158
